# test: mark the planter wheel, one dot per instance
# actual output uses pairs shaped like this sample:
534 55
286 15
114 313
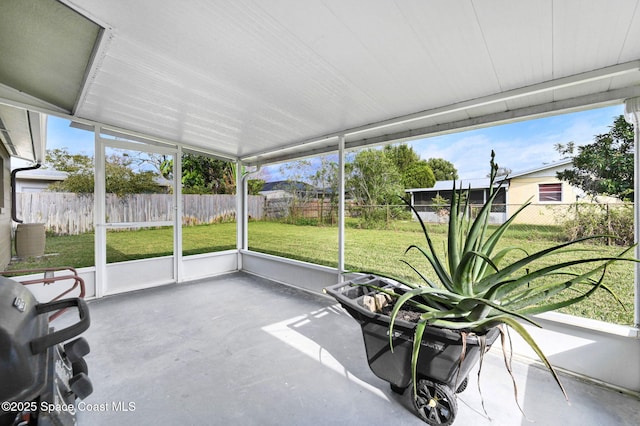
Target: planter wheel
398 389
463 385
436 404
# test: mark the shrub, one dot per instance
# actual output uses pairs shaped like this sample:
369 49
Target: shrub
585 219
379 216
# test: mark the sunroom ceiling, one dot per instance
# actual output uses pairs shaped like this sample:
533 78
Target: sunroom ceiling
267 80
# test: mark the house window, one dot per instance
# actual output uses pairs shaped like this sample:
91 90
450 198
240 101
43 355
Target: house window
550 192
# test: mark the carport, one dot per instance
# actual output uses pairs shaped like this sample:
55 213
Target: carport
260 82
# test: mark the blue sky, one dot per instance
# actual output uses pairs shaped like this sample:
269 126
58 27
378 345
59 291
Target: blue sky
60 135
519 146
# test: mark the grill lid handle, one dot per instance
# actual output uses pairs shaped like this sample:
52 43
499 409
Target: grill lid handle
40 344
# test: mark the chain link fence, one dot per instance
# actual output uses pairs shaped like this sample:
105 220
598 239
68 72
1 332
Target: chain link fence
575 220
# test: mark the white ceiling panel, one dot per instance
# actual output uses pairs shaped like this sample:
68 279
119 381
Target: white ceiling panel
591 35
266 80
629 49
453 49
526 54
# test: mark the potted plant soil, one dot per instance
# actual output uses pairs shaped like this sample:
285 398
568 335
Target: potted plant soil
430 334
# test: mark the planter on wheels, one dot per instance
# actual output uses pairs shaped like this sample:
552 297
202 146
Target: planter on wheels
442 368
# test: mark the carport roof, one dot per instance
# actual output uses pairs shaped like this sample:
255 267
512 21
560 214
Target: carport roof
268 80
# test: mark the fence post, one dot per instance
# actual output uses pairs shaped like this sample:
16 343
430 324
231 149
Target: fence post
609 230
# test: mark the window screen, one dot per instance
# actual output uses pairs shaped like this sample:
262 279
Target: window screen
550 192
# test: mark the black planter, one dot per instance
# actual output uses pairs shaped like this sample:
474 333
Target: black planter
442 368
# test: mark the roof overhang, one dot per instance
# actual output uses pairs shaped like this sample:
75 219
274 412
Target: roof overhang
267 81
23 133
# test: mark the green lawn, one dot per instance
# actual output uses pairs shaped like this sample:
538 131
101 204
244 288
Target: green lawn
365 249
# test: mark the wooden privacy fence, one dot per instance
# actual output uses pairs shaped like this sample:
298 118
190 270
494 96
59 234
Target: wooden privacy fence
70 214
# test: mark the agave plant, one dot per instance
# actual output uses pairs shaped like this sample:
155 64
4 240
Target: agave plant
478 289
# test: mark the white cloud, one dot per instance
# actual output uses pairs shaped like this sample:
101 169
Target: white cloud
518 146
469 154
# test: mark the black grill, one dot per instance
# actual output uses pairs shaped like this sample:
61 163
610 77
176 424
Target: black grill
42 370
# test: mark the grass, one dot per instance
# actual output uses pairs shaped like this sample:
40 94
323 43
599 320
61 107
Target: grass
365 249
78 250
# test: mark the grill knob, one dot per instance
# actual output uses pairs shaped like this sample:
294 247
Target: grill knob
81 385
76 349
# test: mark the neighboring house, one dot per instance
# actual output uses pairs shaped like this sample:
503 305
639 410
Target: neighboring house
22 135
549 196
287 189
423 198
38 180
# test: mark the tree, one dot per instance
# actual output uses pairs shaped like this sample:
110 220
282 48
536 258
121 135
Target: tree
442 169
121 179
60 159
372 178
206 175
414 172
254 186
604 167
325 179
502 171
418 175
202 174
297 181
401 155
78 182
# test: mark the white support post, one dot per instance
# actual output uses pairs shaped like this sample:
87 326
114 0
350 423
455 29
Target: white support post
241 214
341 198
100 230
177 220
245 208
632 115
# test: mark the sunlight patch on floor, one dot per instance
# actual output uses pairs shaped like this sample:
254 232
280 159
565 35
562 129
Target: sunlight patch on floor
285 332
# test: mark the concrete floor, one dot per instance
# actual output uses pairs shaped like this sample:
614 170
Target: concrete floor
241 350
